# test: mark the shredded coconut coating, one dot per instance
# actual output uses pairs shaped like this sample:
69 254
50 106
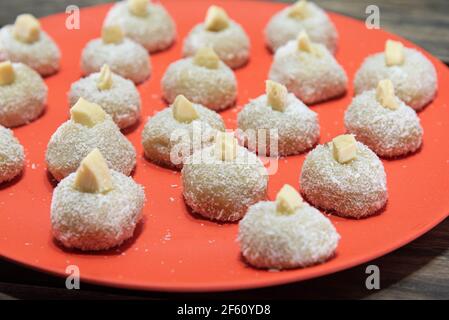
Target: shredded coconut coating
72 142
127 59
389 133
12 156
356 189
43 55
284 241
155 32
215 89
312 79
122 101
415 82
297 126
232 44
223 190
281 28
96 221
24 100
159 132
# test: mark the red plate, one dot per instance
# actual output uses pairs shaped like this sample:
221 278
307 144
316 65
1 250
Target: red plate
174 251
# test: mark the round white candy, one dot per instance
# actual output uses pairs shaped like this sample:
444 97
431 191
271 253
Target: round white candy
284 241
415 81
11 155
281 28
127 59
311 77
23 100
223 190
296 128
215 89
72 142
121 101
389 133
155 32
231 44
163 134
96 221
43 55
356 189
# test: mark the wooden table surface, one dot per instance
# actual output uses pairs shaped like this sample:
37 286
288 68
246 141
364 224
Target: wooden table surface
419 270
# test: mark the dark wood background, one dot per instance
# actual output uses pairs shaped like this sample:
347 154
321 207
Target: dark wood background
419 270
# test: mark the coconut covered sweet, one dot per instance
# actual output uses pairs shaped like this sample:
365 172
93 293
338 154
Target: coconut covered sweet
95 208
223 180
225 36
413 75
389 132
176 132
302 16
116 95
294 126
89 128
286 233
124 56
345 178
23 94
308 70
27 43
11 155
145 22
203 79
